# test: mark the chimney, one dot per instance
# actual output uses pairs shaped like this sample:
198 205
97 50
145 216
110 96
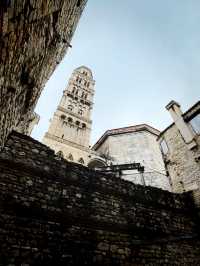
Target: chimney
176 114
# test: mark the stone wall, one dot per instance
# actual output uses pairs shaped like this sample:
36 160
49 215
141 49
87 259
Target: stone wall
34 36
181 162
140 147
53 212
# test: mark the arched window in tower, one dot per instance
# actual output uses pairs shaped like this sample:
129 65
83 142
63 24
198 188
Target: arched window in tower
78 123
80 80
70 107
80 112
81 161
85 83
83 125
88 84
70 157
76 92
86 96
82 94
60 154
69 119
62 117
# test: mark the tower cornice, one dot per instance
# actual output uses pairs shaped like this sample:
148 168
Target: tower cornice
64 141
80 86
60 108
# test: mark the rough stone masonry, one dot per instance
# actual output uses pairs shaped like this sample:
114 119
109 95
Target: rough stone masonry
34 36
53 212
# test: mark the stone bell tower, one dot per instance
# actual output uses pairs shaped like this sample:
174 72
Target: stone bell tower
70 128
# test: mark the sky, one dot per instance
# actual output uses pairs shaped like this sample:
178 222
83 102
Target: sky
142 54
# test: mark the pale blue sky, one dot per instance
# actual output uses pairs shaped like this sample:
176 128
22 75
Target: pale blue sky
142 53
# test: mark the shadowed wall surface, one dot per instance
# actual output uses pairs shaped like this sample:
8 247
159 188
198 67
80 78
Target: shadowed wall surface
34 36
53 212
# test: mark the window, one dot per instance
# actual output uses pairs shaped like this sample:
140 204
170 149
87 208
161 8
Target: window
83 125
70 107
77 123
70 157
80 112
70 120
80 80
88 84
195 123
81 160
164 147
60 154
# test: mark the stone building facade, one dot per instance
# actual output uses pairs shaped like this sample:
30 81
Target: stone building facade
180 145
70 128
135 144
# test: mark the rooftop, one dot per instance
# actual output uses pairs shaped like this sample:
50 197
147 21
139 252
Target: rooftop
125 130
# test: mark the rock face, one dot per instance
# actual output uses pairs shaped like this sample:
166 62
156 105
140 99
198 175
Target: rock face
53 212
34 36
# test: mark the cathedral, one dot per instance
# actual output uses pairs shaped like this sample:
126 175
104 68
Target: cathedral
70 129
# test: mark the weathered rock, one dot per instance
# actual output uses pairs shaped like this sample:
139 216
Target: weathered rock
34 36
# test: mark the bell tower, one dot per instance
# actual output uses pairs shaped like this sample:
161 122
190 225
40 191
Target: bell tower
70 128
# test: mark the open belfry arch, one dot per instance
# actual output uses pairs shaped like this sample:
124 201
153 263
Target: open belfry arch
70 129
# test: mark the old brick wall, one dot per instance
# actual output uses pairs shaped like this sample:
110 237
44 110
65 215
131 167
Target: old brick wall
34 36
57 213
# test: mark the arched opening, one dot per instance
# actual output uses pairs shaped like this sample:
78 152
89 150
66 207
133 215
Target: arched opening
96 163
70 107
80 112
70 120
81 161
63 117
60 154
78 123
70 157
